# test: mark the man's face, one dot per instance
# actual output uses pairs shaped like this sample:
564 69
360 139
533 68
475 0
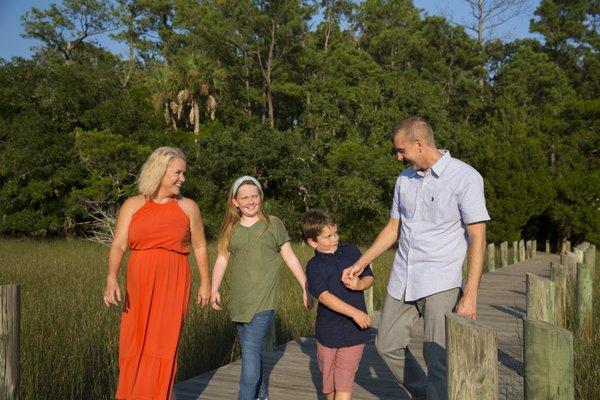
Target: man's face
407 151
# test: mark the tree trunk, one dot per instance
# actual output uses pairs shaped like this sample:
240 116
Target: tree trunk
196 111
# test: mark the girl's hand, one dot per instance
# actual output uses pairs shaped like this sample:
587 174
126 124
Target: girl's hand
112 292
215 300
307 299
362 319
203 295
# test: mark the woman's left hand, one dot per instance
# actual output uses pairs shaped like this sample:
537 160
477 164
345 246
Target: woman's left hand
203 295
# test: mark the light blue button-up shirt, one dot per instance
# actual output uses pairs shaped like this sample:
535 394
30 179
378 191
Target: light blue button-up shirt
433 208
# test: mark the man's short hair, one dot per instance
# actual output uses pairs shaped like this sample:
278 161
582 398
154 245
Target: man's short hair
413 128
313 222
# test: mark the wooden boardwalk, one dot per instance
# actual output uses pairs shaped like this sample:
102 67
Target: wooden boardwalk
294 375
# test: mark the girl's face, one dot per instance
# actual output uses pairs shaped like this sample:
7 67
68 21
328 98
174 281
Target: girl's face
247 200
170 185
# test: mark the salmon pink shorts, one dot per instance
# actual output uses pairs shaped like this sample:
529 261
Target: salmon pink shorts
339 366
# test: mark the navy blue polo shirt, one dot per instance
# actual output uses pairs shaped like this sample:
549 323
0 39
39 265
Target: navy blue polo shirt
324 273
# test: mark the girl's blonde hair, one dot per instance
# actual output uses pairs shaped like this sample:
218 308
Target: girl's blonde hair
233 214
155 167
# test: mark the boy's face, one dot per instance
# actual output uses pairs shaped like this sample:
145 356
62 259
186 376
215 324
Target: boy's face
327 241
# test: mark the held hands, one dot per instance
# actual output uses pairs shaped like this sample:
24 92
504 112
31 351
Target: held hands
350 276
204 295
354 283
112 292
361 319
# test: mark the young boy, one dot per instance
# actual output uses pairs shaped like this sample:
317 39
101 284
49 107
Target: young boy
342 322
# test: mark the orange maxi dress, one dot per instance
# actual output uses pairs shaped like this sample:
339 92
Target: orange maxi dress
158 285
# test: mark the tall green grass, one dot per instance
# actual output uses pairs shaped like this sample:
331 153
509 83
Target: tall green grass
69 339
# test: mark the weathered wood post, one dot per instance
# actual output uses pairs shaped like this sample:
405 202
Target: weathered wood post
504 254
534 247
515 247
578 255
548 356
369 300
570 261
522 250
584 299
490 257
547 246
589 257
568 245
528 249
541 298
10 317
558 274
472 359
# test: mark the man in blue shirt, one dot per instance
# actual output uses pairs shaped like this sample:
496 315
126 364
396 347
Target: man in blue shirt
437 214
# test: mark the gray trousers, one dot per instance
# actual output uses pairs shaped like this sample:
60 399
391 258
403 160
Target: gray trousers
395 333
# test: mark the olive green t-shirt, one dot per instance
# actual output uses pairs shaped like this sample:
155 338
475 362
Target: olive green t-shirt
255 268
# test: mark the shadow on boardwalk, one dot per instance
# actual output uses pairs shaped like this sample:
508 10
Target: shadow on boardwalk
294 374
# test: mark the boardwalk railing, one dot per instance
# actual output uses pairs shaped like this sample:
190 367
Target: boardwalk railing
10 306
547 345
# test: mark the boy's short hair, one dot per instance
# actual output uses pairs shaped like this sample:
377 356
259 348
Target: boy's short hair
313 222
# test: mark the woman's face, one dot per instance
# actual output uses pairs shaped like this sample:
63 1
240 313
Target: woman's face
247 200
173 178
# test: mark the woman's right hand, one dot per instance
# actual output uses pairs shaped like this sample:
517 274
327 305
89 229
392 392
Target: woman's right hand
215 300
112 292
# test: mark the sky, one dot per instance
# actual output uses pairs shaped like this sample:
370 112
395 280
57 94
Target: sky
12 44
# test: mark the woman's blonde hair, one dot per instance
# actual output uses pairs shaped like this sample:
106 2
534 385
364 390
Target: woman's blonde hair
233 214
155 167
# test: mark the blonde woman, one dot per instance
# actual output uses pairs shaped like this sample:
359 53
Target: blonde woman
252 243
157 226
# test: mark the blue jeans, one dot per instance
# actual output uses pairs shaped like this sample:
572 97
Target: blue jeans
252 334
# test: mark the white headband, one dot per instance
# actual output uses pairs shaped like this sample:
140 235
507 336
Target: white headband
238 182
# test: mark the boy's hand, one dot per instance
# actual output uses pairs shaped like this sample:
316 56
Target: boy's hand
362 319
353 283
352 271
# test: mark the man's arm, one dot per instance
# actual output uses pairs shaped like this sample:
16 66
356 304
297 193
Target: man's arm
386 239
467 306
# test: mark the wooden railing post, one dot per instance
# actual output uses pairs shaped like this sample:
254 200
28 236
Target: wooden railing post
534 247
515 247
522 256
10 317
547 246
491 257
504 254
584 299
541 295
558 274
548 356
589 257
578 255
472 359
529 249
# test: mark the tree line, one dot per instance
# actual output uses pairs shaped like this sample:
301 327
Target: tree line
302 95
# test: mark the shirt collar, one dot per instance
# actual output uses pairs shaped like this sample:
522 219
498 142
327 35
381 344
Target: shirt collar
438 167
442 163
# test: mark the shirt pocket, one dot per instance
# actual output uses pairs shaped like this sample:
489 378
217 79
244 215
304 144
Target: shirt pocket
407 201
443 207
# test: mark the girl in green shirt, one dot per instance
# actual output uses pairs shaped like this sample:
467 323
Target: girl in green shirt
251 242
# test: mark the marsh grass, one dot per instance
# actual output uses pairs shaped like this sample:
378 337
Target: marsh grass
69 339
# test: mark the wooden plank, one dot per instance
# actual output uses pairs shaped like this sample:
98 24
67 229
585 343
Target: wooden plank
472 354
